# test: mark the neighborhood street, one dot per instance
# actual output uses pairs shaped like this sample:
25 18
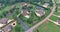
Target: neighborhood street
25 27
38 24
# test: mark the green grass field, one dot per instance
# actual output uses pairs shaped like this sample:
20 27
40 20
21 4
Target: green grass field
54 18
56 13
56 1
48 27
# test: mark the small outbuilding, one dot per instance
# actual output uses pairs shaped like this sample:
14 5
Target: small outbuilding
45 5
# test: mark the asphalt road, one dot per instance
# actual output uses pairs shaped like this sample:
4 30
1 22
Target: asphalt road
25 27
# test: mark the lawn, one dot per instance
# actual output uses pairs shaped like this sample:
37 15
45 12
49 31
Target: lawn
54 18
48 27
17 28
56 1
56 13
4 10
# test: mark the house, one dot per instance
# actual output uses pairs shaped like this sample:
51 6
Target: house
39 11
4 21
45 5
25 13
58 21
7 28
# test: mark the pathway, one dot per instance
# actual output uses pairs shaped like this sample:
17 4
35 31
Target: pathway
53 22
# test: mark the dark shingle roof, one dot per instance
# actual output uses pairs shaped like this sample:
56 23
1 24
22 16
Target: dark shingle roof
39 8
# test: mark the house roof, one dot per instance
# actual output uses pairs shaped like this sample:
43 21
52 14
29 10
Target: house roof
25 13
58 21
39 11
39 8
3 20
7 28
45 5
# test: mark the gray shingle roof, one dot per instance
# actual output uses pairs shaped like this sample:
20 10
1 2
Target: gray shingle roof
58 21
7 28
3 20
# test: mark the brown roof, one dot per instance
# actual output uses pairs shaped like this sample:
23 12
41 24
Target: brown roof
25 13
7 28
3 20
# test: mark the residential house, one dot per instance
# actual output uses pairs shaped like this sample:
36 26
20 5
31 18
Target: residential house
39 11
25 13
45 5
7 28
4 21
58 21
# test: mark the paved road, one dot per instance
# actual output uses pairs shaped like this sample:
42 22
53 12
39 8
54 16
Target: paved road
38 24
25 27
